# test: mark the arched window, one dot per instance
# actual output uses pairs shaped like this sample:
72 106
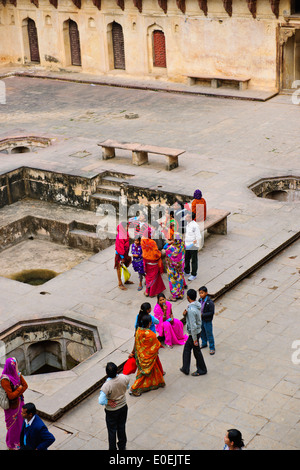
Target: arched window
118 46
159 49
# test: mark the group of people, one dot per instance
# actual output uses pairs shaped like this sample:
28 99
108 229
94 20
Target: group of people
25 429
169 245
151 332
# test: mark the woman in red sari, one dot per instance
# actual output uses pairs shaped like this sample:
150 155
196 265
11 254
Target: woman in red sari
153 267
150 373
121 251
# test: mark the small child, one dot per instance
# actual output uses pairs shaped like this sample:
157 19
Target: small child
207 313
137 260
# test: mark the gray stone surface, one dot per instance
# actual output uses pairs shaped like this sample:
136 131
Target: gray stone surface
252 383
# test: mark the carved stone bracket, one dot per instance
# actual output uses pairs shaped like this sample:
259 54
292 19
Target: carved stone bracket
228 6
181 5
121 4
13 2
163 5
203 6
284 34
275 7
97 4
35 2
54 3
138 4
252 7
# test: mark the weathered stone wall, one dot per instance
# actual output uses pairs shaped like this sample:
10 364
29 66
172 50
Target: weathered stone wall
244 43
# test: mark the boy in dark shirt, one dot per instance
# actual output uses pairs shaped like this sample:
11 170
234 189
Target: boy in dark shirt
207 313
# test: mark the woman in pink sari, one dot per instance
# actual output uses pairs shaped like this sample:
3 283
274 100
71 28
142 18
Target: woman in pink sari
169 327
15 385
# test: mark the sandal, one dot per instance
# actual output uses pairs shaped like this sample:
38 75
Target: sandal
135 393
140 288
171 299
122 287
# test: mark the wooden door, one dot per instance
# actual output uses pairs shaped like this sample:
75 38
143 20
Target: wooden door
159 49
33 41
118 46
74 43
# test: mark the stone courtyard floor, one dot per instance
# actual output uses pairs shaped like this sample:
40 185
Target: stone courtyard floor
253 379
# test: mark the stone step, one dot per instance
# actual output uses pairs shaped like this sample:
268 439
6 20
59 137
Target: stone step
250 262
111 180
107 189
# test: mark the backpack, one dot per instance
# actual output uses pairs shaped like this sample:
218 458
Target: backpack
4 401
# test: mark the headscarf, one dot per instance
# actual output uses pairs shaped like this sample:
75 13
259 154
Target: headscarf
11 370
150 250
197 194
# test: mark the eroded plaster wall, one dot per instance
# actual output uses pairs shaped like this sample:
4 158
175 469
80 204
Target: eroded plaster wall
210 44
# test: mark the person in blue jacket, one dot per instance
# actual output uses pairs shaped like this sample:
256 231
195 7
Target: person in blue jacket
145 310
207 313
34 433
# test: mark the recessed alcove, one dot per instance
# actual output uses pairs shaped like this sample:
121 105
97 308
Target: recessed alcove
283 188
49 345
23 144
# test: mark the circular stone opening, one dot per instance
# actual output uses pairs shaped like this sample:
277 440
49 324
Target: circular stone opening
34 277
23 144
51 345
285 188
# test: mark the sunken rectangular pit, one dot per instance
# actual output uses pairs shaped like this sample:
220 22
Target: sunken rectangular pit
35 249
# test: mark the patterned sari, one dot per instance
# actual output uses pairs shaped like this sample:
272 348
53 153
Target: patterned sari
150 373
175 268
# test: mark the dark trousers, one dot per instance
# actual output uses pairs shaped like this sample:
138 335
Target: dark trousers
186 356
116 422
191 255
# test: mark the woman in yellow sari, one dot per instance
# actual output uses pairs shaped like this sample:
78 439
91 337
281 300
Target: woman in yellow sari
150 372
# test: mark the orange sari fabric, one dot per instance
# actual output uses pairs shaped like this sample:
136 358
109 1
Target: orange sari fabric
149 375
150 252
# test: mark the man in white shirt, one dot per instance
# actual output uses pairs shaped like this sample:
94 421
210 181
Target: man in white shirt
112 397
193 241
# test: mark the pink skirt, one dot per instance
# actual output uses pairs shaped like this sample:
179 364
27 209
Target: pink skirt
173 332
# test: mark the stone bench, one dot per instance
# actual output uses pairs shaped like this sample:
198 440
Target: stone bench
140 152
216 221
217 80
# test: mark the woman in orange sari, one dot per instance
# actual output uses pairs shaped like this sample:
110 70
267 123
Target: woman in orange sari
153 267
150 373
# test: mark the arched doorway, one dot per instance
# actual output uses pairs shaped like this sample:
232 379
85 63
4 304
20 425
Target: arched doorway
290 76
118 46
72 43
30 41
159 49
